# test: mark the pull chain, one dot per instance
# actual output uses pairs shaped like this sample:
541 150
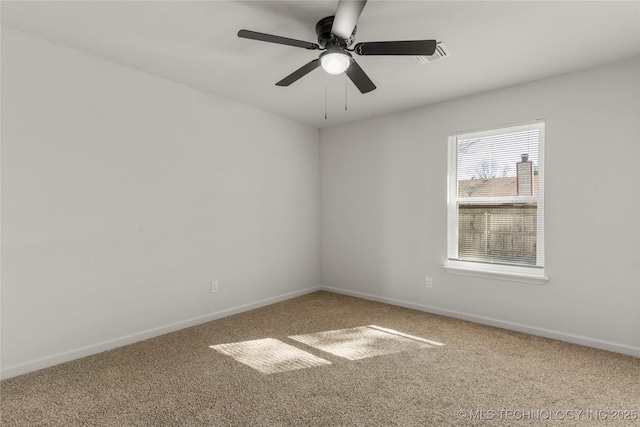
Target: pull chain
345 91
325 101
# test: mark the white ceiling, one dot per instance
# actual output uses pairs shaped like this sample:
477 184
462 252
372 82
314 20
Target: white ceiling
195 43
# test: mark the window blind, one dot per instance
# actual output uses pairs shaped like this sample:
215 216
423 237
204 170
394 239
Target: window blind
496 205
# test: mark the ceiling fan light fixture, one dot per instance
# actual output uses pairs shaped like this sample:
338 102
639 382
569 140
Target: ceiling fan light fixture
335 62
335 34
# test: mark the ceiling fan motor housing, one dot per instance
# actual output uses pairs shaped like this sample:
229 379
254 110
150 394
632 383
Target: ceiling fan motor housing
326 39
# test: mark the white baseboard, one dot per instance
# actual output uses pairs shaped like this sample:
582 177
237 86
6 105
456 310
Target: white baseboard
56 359
45 362
546 333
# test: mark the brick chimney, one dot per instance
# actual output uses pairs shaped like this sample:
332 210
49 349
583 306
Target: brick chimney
525 176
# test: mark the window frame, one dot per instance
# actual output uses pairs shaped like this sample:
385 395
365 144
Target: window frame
534 274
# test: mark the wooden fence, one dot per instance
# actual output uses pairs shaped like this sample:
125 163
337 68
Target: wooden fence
501 234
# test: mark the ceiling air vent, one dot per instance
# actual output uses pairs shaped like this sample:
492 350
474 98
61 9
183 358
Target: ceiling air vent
441 52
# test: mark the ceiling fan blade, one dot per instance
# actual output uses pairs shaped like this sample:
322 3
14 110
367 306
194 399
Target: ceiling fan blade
346 18
299 73
254 35
359 77
410 47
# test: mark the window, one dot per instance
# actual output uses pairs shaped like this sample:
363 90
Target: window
496 203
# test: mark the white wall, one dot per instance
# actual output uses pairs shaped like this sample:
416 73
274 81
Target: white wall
384 216
124 195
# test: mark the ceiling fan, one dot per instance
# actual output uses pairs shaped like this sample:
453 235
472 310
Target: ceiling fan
335 35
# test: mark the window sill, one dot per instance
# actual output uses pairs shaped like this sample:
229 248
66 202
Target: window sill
487 271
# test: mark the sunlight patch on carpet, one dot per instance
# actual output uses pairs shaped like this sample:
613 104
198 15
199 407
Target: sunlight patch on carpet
269 355
364 341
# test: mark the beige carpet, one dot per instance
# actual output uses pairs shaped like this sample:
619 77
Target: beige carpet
330 360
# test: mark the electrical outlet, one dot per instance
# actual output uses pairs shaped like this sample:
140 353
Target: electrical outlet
214 286
429 283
